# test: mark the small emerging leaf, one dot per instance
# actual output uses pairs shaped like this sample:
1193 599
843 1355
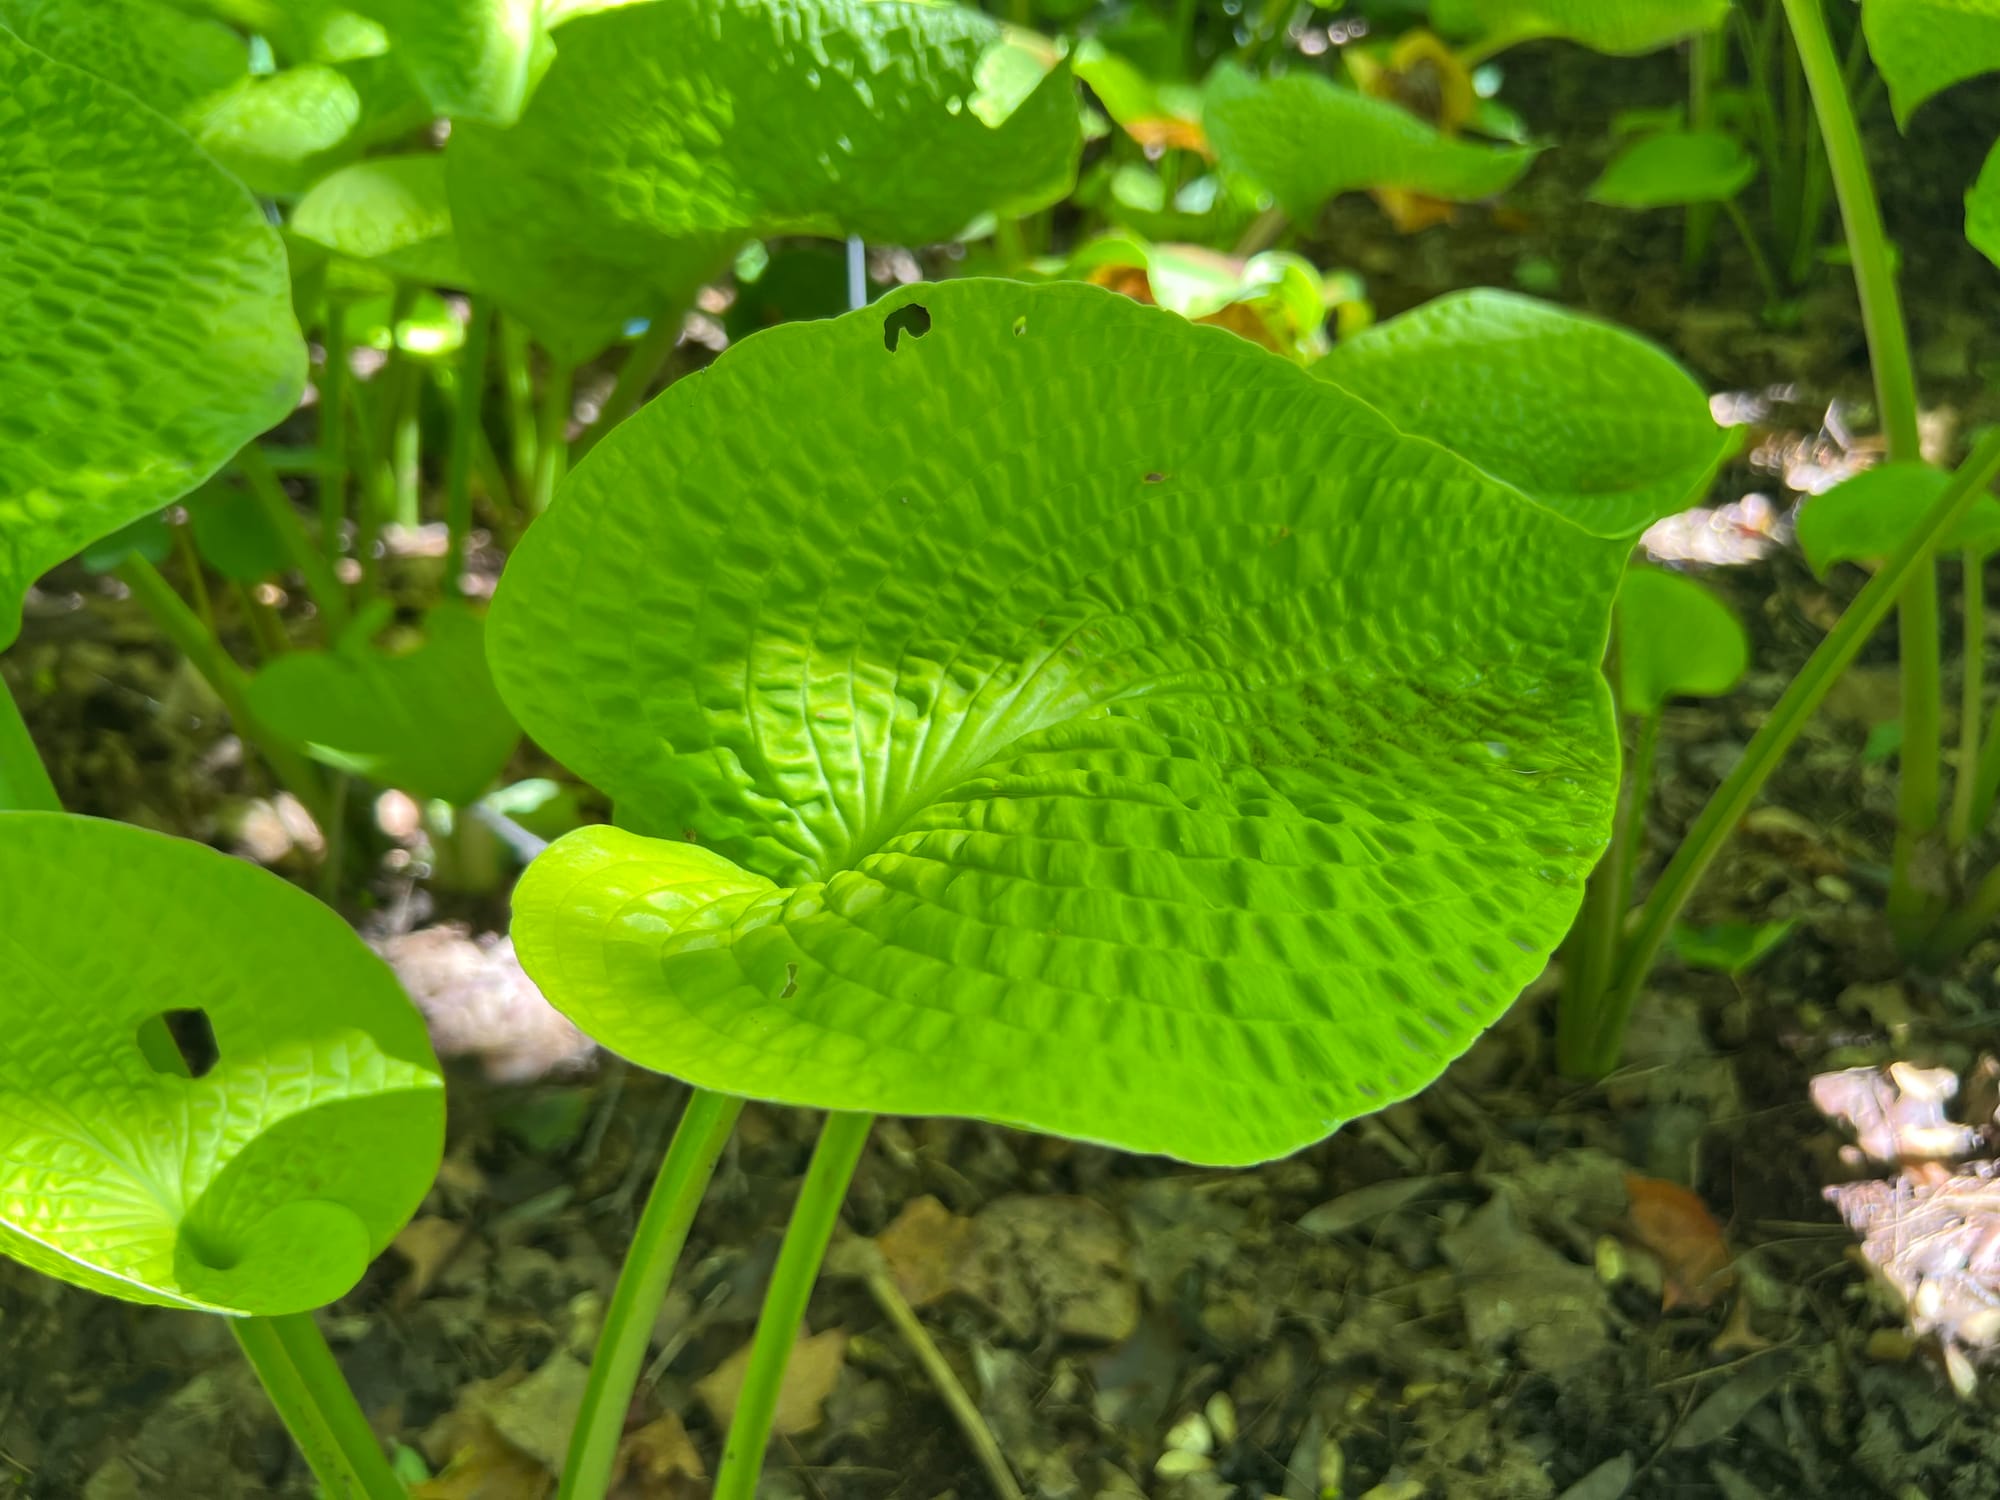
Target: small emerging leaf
1866 518
278 133
392 211
1308 140
1675 640
1675 167
119 398
252 1161
1083 719
427 721
1923 47
1620 27
1581 416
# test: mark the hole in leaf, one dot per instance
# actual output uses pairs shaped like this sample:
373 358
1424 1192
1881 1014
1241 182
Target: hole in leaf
1155 478
180 1043
791 982
914 319
1020 326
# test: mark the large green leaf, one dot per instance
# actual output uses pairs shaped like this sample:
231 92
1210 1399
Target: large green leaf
1866 518
391 210
1082 719
159 54
145 319
1580 415
1675 639
471 59
666 134
1923 47
426 719
267 1183
1621 27
1308 140
1982 209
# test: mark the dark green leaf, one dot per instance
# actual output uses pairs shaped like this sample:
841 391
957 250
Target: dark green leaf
1731 948
1676 167
1675 640
1923 47
1866 518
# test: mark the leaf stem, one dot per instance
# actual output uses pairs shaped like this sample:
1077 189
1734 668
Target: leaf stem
269 493
517 389
806 1237
24 781
1705 57
318 1407
1971 701
551 436
1965 926
471 394
642 1285
1768 746
642 362
334 384
1896 396
205 654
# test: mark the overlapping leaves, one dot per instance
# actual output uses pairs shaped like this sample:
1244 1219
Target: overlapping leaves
1082 719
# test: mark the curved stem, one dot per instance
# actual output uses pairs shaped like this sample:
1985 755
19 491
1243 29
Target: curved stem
642 1285
471 394
1768 746
813 1218
305 1384
24 780
1968 924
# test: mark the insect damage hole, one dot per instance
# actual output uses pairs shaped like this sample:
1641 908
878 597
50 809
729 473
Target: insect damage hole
179 1043
913 318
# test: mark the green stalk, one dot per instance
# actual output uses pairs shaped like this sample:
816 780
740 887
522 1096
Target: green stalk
1896 396
408 451
335 380
1768 746
551 436
813 1218
205 654
517 389
642 1285
1968 924
291 1358
1760 263
321 584
1705 58
1971 702
642 362
470 395
24 780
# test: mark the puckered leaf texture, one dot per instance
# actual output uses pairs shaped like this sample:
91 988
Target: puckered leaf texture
146 330
1024 704
263 1186
666 134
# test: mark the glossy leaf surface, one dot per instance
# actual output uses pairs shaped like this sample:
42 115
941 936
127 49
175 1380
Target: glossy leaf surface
426 720
1083 719
1923 47
1622 27
1675 167
1583 417
145 318
1307 140
1866 518
470 59
265 1184
1676 639
666 134
160 55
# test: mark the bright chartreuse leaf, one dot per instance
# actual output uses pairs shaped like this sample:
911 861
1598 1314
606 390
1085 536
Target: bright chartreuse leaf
1620 27
425 719
1275 298
153 51
1675 639
265 1182
664 135
1675 167
391 211
1082 719
1308 140
1922 47
470 59
1982 209
145 323
1866 518
1580 415
279 133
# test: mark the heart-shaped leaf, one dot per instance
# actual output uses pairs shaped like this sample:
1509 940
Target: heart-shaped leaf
1083 719
426 720
391 211
1675 167
1923 47
146 330
470 59
1866 518
1308 140
1579 415
153 51
1675 640
212 1094
664 135
1619 27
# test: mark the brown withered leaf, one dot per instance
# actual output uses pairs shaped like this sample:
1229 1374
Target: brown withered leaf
810 1376
924 1248
485 1466
1677 1227
660 1462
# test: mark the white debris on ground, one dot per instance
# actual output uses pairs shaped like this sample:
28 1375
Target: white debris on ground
480 1003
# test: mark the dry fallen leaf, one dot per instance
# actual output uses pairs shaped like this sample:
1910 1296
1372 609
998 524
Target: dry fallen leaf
809 1379
1677 1227
660 1462
485 1466
428 1244
924 1248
